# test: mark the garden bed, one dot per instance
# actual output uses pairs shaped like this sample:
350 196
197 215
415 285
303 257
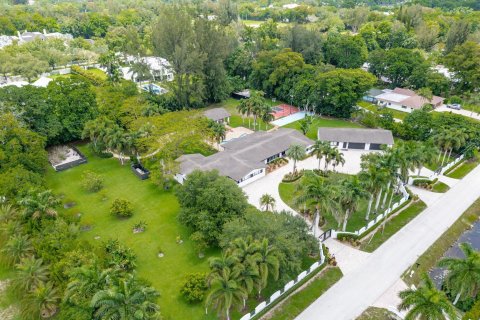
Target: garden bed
65 157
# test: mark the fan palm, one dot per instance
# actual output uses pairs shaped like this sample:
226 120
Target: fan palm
426 302
267 202
463 278
30 274
17 247
225 292
296 152
125 300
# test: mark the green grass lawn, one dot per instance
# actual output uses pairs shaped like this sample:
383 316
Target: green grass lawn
374 108
374 313
430 257
298 302
156 207
463 169
371 243
238 121
97 72
323 122
440 187
288 192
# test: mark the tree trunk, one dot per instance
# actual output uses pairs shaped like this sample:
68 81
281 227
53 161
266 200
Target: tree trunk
370 201
386 194
450 153
345 220
444 156
457 297
294 166
379 196
419 170
228 314
439 155
319 161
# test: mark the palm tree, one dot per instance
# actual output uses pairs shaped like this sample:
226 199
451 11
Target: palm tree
320 149
442 139
267 202
373 177
31 273
318 190
225 292
226 261
426 302
337 158
424 153
463 278
42 302
252 106
140 71
351 192
126 300
116 140
17 247
305 124
7 212
245 109
459 138
96 130
296 152
247 276
218 131
266 114
267 262
40 205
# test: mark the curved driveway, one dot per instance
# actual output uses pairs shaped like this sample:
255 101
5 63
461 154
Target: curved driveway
361 287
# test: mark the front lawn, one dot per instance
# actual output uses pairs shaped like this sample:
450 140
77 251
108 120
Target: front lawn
298 302
440 187
376 109
463 169
151 204
371 243
323 122
288 192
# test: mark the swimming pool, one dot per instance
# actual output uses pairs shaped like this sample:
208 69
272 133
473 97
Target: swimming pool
289 119
156 89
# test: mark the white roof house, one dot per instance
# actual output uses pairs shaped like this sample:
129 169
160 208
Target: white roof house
42 82
290 5
27 36
405 100
159 67
7 40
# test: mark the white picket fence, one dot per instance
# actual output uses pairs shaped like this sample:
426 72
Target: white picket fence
451 164
282 292
378 218
444 169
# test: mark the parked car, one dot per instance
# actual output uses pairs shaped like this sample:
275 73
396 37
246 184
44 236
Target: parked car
455 106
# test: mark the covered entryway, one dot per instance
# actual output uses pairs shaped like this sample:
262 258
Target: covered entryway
375 146
356 145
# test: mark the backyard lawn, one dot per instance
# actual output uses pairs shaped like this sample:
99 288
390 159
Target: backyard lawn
154 206
323 122
288 193
374 108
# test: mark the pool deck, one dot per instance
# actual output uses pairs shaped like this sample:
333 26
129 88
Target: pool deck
289 119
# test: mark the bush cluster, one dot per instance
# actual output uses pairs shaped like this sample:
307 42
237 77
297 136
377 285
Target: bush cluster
195 287
92 182
93 78
121 208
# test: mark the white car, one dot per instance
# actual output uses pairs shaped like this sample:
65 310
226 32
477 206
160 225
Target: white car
455 106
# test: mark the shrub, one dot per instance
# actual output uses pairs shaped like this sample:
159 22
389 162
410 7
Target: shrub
92 77
195 287
119 257
91 181
121 208
292 177
474 312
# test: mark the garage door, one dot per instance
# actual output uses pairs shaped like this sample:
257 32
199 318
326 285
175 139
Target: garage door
353 145
375 146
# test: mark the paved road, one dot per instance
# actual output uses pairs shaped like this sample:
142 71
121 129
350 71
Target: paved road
463 112
361 287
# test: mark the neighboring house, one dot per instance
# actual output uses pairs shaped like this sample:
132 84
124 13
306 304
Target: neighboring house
160 68
30 36
361 139
405 100
290 6
219 115
245 159
371 95
42 82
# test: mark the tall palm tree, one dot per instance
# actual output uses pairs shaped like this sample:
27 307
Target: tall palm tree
426 302
245 109
351 192
266 114
459 138
140 71
41 303
296 152
226 261
225 292
7 212
442 140
116 140
267 262
425 154
318 190
218 131
30 274
320 149
125 300
96 130
337 158
17 247
248 276
373 177
243 249
40 205
267 202
463 278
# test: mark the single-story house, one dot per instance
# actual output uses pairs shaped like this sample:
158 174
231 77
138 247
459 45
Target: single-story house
405 100
219 115
353 138
371 95
245 159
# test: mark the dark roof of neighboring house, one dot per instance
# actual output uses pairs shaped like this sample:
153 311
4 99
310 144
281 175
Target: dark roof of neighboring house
378 136
216 114
374 92
243 155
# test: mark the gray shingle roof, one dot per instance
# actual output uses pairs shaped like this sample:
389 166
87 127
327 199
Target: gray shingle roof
243 155
379 136
216 114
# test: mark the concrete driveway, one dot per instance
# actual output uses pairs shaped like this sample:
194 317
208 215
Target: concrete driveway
381 270
466 113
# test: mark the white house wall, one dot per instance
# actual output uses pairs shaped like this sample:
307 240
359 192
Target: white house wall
254 178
